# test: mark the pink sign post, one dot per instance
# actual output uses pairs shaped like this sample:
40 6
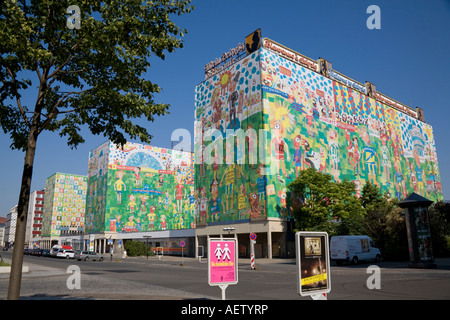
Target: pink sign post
222 263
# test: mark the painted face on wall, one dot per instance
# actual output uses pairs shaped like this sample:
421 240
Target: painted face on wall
333 135
268 80
282 196
365 136
297 141
277 128
214 189
253 199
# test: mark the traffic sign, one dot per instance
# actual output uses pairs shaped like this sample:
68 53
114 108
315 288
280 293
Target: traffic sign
252 250
182 244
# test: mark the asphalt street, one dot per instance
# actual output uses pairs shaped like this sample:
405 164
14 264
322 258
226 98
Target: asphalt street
174 278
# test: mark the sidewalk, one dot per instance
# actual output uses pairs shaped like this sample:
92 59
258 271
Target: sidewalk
35 270
48 283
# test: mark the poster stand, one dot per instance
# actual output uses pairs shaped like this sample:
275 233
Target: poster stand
223 287
222 263
313 264
322 296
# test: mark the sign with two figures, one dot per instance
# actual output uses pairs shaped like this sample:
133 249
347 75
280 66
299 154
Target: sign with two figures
222 263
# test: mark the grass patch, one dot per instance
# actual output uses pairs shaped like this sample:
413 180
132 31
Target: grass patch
4 264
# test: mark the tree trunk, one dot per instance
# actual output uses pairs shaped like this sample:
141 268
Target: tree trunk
15 277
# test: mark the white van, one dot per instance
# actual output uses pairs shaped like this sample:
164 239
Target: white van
353 249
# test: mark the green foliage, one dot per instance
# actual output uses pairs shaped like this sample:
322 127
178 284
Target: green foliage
331 206
439 216
91 76
136 248
326 205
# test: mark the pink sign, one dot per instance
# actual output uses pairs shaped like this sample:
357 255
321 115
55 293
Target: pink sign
222 261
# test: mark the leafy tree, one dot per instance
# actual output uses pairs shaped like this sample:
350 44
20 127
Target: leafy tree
384 222
326 205
439 216
90 76
395 244
371 196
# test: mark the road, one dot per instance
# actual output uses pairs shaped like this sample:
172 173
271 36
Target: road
167 279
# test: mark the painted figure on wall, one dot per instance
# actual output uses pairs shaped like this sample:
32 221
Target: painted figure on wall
119 186
369 157
216 202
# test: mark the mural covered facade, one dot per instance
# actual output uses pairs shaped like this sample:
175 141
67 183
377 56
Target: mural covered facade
227 105
64 204
273 112
139 188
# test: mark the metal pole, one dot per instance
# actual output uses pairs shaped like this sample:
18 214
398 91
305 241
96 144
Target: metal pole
252 254
223 287
146 238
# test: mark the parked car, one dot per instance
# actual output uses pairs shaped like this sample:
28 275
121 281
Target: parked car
88 255
58 247
26 251
353 249
46 253
53 252
65 253
36 252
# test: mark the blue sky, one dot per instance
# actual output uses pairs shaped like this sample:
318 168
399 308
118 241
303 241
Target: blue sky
407 59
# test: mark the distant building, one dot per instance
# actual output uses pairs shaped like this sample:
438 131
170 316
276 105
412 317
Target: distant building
35 216
137 190
64 207
2 231
10 227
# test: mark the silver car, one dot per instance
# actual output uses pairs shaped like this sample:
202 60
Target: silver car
64 253
87 255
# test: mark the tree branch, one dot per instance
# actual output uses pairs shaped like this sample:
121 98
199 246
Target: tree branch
77 109
54 73
19 104
55 110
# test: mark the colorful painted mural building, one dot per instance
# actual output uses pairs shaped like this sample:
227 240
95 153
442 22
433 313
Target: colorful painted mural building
138 190
64 206
265 112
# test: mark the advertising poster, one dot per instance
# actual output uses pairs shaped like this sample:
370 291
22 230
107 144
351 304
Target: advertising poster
222 262
313 263
422 234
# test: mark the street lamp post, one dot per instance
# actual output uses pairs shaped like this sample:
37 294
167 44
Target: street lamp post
147 237
229 229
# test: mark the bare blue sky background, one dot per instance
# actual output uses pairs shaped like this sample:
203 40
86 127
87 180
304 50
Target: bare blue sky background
408 59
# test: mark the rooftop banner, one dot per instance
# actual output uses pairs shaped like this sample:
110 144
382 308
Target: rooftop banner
291 55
